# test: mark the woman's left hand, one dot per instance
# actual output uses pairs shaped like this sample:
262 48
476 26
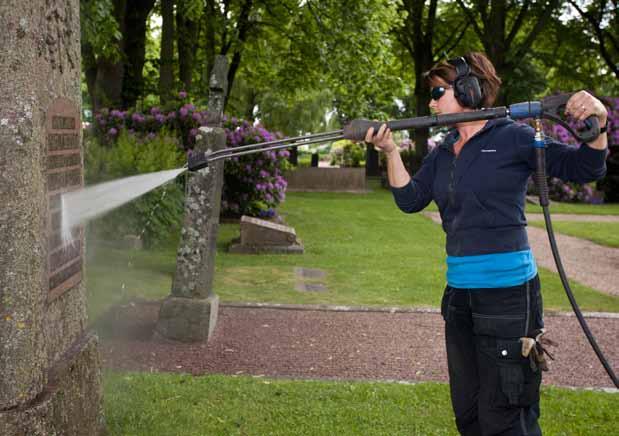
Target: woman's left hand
582 105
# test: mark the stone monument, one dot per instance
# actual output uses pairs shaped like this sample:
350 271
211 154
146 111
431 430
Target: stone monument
50 381
262 236
189 314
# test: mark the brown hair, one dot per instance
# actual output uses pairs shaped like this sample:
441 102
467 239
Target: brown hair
479 66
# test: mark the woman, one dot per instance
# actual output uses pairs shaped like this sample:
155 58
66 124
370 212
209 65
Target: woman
478 178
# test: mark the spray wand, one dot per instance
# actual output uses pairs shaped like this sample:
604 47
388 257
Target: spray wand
549 107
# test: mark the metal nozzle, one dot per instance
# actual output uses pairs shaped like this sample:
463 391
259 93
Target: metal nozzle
197 160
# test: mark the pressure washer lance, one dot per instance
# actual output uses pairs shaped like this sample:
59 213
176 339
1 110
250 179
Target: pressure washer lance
551 107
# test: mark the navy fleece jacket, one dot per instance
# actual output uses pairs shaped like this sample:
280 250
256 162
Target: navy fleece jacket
481 193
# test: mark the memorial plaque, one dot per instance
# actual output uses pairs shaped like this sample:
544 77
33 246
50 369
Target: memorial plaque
64 173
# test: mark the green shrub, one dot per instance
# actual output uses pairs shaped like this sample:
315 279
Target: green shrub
155 216
254 184
348 154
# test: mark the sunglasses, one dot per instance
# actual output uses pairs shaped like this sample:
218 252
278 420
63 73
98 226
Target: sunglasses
438 91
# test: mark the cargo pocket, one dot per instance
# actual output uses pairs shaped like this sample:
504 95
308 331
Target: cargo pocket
445 303
509 325
518 383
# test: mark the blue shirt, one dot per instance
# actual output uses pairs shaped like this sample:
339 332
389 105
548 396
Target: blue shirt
481 193
498 270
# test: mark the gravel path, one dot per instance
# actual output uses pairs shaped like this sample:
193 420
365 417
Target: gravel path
588 263
327 344
321 343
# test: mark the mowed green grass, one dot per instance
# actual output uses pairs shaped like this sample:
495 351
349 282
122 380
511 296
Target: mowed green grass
373 255
577 208
606 234
183 405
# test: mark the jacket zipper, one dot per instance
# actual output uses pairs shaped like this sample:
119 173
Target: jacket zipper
452 182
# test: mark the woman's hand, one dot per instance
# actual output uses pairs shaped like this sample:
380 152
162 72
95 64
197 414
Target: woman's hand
582 105
383 141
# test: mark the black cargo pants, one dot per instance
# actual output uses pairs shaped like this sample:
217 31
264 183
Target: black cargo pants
494 391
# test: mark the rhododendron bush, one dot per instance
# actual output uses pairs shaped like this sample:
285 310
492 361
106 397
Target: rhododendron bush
253 184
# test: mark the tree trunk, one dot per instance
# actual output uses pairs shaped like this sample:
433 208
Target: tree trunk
244 26
186 43
166 72
134 45
418 40
109 77
109 83
423 62
210 18
50 370
90 70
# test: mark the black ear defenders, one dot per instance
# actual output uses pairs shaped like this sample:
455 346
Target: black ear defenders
467 89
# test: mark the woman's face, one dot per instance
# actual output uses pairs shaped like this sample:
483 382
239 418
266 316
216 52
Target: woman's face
447 103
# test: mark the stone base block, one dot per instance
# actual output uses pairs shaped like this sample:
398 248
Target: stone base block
187 319
71 403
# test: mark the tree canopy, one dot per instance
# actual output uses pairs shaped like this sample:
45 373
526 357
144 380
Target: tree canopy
300 65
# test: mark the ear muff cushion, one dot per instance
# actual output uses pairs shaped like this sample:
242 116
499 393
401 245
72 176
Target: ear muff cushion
466 86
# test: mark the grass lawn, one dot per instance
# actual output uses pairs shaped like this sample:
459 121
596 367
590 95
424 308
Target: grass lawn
600 233
575 208
170 404
373 255
571 208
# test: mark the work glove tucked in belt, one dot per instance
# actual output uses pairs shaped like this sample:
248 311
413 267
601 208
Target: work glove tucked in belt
534 348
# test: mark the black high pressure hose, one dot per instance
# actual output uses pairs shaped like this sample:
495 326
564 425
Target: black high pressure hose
544 200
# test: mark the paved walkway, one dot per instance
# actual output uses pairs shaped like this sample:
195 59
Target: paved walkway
362 343
331 343
588 263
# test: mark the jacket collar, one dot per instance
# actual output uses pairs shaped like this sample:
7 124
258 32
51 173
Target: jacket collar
453 135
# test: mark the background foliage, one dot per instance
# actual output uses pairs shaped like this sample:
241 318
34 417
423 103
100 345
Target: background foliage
125 143
305 67
154 216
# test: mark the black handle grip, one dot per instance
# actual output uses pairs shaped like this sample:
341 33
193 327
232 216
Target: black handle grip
553 107
357 129
592 131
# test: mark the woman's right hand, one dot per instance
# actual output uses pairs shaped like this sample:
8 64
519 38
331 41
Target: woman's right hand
383 140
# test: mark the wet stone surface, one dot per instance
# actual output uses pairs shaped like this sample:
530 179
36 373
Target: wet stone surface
310 273
311 287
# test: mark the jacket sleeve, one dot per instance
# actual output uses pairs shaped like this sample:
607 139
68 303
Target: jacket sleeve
567 162
417 194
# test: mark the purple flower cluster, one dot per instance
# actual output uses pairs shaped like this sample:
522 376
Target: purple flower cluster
572 192
185 120
613 121
254 184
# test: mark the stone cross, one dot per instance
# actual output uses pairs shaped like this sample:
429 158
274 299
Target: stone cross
50 377
189 314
